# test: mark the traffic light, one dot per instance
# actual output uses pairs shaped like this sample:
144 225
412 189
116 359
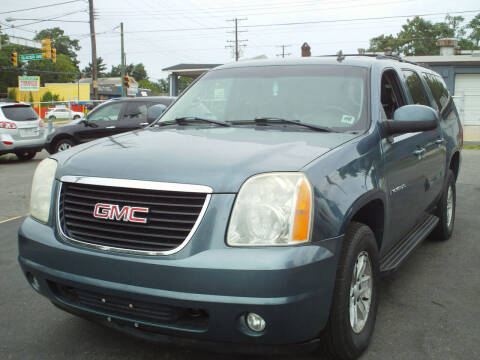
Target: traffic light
13 58
47 48
126 81
54 55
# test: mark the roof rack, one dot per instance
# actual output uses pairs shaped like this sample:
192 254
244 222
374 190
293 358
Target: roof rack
340 56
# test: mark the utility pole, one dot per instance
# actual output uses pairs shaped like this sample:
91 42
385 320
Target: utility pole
122 61
283 54
94 50
237 41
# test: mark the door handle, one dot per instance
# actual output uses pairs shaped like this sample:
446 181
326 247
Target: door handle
440 141
110 127
144 124
419 152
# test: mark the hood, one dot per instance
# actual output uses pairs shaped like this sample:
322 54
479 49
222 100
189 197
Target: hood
219 157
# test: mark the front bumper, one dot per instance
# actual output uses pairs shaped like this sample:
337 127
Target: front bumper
290 287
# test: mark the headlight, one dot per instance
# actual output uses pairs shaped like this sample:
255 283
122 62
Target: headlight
42 185
272 209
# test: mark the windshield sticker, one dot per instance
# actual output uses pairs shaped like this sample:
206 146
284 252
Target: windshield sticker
348 119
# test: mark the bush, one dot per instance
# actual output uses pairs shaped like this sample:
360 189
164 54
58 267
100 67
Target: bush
48 96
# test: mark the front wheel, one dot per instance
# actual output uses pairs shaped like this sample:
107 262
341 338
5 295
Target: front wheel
52 117
63 144
25 155
355 298
446 210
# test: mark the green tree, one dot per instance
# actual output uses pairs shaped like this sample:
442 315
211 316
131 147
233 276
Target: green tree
474 27
48 96
419 36
63 43
101 69
63 71
159 87
139 73
8 74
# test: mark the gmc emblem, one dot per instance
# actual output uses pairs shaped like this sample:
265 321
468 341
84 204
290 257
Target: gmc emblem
113 212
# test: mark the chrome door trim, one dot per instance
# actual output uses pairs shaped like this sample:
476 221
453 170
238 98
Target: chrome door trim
87 180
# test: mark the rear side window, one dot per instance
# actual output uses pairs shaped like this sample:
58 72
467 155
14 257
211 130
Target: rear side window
439 90
19 112
415 87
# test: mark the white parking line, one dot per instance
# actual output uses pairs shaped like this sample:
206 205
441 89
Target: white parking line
11 219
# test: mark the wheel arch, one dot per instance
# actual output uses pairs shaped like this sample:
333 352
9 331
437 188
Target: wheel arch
58 138
368 209
454 164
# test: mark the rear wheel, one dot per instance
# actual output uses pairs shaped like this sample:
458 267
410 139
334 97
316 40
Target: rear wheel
63 144
355 299
26 155
446 210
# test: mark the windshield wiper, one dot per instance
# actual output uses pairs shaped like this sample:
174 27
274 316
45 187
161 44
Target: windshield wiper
268 119
184 120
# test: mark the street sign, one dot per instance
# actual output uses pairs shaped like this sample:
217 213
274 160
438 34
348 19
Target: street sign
28 83
28 57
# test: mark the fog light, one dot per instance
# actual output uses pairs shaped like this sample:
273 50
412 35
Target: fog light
33 281
255 322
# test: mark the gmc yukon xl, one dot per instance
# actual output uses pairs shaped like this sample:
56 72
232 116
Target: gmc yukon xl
257 212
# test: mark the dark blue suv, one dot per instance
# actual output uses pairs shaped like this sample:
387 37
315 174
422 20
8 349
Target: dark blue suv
258 211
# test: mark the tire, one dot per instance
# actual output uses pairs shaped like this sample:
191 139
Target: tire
343 338
444 229
25 155
52 117
76 117
62 145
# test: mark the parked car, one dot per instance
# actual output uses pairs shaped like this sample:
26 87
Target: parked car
21 130
111 118
62 113
258 212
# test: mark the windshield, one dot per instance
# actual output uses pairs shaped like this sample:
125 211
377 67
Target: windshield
19 112
325 95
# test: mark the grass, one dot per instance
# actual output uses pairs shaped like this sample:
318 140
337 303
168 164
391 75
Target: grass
471 147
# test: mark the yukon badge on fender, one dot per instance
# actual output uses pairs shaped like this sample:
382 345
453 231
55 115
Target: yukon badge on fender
113 212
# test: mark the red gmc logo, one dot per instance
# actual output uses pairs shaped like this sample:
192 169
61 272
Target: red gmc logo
113 212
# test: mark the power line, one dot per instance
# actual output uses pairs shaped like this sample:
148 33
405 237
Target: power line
305 22
48 19
39 7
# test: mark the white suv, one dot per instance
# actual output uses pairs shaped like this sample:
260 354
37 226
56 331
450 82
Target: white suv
21 130
62 113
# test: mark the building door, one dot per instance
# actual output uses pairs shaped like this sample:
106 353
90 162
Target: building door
467 98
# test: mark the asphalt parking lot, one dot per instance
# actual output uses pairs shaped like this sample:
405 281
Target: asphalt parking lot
430 307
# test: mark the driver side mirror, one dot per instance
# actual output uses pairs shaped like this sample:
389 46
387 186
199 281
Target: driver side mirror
154 112
410 119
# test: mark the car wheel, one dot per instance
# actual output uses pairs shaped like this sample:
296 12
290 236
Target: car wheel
63 144
76 117
355 298
25 155
446 210
52 117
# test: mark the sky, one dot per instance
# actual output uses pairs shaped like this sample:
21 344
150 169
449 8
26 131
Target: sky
162 33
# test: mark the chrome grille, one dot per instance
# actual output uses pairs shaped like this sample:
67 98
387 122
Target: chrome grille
171 220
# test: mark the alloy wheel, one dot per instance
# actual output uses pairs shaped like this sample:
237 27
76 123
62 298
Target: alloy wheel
360 292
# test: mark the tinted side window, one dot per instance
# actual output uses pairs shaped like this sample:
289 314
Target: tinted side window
137 110
106 112
439 90
392 96
415 87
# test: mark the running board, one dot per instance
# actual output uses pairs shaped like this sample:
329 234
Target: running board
400 251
